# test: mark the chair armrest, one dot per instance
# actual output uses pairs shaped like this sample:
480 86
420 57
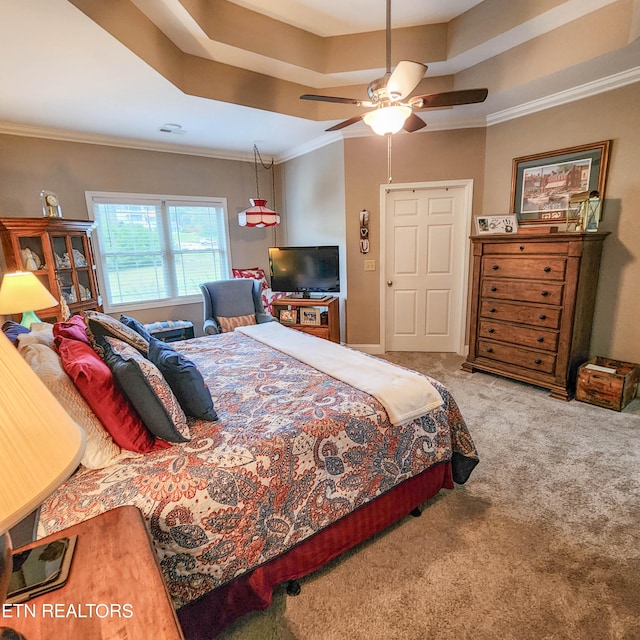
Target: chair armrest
210 327
264 317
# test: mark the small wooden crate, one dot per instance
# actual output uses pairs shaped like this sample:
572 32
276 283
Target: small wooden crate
610 390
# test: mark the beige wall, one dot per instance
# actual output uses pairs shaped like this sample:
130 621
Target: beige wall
418 157
314 194
609 116
28 165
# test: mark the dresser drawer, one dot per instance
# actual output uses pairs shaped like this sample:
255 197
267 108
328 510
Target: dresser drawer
538 267
522 313
543 362
544 292
524 248
525 336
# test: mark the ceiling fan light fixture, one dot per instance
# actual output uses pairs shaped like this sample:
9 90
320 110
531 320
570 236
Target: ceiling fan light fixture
387 120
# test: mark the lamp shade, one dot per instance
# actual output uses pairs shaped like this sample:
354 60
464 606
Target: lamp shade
23 292
40 445
387 119
258 215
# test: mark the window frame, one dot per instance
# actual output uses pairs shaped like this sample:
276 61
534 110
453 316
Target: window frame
165 201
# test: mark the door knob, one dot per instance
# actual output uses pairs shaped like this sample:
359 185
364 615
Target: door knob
389 283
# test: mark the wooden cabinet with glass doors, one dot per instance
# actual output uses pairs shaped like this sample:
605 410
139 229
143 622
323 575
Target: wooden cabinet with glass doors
60 254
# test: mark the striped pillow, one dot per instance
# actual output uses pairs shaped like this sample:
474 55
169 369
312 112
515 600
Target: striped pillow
230 323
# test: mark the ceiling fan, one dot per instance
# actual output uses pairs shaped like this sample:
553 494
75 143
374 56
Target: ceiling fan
393 109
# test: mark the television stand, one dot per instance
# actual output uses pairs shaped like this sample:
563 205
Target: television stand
328 325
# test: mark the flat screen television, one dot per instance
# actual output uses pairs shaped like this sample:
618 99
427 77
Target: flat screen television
305 270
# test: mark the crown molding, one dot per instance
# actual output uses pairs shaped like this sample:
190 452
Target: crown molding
126 143
602 85
313 145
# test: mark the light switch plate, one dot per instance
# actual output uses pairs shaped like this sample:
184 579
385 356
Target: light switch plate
369 265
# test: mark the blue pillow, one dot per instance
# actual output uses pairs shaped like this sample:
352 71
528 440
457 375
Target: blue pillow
146 389
184 378
13 329
136 325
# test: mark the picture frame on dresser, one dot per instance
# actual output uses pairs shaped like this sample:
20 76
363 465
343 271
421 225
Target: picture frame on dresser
543 183
496 224
288 316
310 315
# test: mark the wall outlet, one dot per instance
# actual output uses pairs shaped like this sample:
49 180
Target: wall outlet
369 265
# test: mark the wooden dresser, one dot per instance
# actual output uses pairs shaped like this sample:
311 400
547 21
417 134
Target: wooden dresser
532 306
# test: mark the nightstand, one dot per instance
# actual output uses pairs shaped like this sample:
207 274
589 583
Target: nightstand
114 590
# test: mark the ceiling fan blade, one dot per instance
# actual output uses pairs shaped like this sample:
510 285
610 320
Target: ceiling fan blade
405 79
449 98
345 123
413 123
312 96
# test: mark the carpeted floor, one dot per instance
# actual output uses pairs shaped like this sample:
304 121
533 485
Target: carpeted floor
542 542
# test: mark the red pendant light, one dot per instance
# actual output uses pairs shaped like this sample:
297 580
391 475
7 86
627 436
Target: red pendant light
258 214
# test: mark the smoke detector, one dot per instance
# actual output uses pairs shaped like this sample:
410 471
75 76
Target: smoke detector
171 127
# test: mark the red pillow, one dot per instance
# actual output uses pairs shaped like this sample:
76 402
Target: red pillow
74 328
256 273
96 385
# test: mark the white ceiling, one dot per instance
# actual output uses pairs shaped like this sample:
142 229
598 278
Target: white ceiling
64 76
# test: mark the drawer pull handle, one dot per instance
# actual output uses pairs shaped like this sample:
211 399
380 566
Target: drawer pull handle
492 310
494 289
542 316
489 350
540 339
521 248
538 361
544 293
495 267
492 330
547 269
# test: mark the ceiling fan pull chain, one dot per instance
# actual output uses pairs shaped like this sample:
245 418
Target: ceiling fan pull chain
389 178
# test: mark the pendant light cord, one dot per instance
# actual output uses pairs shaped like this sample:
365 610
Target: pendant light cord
256 156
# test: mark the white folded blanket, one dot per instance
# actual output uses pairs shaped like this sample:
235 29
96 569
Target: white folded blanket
404 394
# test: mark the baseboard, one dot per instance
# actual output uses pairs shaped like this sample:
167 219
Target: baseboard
373 349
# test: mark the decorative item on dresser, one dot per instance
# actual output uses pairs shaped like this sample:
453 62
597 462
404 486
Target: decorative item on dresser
532 306
60 254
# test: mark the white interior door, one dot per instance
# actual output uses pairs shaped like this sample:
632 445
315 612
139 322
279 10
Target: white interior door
426 259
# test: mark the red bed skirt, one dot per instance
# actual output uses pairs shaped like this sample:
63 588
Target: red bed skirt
206 617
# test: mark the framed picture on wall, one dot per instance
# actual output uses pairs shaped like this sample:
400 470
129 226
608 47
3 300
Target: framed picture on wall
496 224
542 184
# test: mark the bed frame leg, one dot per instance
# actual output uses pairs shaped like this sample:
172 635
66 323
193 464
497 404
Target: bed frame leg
293 588
416 513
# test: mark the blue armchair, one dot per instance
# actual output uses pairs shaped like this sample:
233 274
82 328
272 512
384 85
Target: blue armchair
232 299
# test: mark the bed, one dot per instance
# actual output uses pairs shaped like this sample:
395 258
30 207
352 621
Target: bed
299 467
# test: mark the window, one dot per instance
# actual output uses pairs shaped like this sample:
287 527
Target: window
156 250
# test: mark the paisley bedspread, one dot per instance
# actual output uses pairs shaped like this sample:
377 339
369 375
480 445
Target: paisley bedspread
293 451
